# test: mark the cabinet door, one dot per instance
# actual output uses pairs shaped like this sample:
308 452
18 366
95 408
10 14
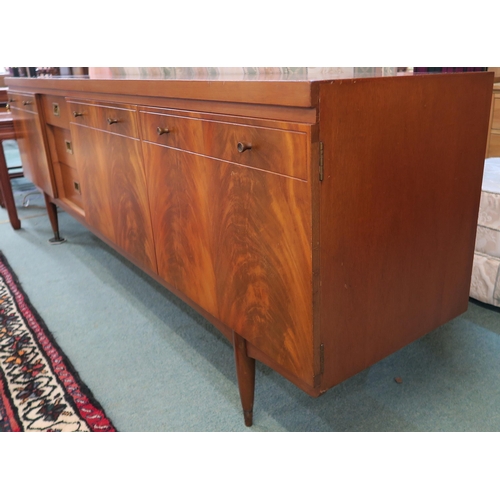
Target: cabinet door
31 146
237 241
113 188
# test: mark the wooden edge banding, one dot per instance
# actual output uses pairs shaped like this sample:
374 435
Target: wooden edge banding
279 92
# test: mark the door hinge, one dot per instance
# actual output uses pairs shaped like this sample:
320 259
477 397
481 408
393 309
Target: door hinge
321 160
322 359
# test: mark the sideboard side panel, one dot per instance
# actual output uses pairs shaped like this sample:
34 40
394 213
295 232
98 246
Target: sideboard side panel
403 162
31 143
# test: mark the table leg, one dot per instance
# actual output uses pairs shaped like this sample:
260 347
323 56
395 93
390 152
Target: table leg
54 220
245 371
6 192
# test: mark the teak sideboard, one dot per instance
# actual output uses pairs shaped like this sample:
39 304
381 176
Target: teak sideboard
319 225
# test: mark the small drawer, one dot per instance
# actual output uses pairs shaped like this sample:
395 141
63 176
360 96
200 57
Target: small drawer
118 120
82 113
64 146
55 111
272 149
71 184
26 102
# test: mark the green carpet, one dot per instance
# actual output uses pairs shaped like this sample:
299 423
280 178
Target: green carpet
11 153
156 365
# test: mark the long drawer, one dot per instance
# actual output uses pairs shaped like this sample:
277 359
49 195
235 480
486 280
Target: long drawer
104 116
26 102
266 148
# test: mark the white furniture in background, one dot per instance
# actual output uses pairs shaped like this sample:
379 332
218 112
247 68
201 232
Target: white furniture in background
485 283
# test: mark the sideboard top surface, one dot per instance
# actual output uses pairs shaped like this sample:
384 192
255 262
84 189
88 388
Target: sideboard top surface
277 90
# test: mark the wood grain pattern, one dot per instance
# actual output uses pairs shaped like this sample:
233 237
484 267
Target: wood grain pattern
70 180
493 149
278 93
118 120
59 139
105 116
165 103
57 120
31 143
83 113
272 149
114 192
318 280
236 241
494 145
399 208
64 166
245 371
496 111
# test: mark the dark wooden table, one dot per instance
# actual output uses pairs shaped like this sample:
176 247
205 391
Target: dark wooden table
6 196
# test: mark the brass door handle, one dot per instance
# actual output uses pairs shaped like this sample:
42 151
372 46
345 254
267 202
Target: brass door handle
111 121
76 114
162 131
243 147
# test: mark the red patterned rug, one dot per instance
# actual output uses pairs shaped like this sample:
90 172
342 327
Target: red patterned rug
39 388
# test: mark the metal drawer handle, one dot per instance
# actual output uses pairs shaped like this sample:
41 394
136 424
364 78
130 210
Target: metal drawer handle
162 131
76 114
27 103
243 147
111 121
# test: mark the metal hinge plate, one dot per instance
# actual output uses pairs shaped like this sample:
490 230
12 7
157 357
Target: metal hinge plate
321 160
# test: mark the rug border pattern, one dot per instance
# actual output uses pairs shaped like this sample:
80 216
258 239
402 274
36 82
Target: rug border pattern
79 395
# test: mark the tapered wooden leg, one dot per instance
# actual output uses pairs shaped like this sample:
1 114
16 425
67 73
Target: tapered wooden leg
245 371
54 222
6 193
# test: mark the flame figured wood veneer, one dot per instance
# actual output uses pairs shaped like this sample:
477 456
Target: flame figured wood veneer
319 225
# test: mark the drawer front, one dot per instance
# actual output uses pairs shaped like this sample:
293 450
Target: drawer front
55 111
27 102
111 118
64 146
71 184
275 150
82 113
118 120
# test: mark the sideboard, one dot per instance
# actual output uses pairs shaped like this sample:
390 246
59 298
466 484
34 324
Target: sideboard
320 225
